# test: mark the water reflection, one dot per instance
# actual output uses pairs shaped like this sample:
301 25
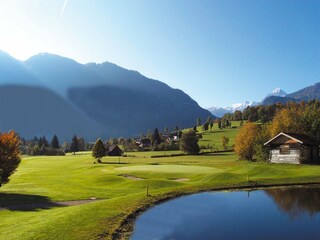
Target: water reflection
296 200
281 213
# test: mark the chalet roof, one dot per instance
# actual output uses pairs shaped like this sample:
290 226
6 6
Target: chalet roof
300 138
112 147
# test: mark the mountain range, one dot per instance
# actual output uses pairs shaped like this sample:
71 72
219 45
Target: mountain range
276 96
219 112
49 94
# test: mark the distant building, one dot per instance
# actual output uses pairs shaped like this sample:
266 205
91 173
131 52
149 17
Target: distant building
144 142
114 150
293 148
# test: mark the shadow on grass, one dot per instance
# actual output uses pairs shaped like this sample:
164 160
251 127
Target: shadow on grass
23 202
113 163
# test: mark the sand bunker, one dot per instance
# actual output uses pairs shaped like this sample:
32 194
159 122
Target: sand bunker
131 177
181 179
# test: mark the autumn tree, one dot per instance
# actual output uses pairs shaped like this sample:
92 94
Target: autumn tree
9 155
189 143
286 120
98 150
245 141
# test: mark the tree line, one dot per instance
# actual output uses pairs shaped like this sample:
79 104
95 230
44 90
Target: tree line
301 118
42 146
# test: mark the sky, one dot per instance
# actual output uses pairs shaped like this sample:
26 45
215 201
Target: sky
219 52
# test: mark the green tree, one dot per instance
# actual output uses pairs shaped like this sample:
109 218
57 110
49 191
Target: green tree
156 137
237 115
261 151
205 126
43 141
74 145
189 143
9 155
55 142
98 150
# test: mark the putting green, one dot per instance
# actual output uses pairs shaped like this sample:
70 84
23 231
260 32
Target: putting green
170 168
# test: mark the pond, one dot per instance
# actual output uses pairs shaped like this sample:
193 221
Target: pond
277 213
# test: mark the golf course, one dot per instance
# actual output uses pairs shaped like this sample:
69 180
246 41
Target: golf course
70 197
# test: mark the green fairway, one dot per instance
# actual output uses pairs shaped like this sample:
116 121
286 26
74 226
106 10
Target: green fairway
42 183
168 169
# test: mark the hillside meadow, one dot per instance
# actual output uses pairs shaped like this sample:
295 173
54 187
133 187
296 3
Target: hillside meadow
32 203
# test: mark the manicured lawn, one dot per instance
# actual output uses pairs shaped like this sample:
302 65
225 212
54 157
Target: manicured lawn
120 189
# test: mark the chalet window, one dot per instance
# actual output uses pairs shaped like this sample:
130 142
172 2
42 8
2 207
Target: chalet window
284 149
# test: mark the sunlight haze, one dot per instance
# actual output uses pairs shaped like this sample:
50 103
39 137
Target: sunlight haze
218 52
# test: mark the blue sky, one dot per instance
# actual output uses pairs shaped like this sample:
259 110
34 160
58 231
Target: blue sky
218 52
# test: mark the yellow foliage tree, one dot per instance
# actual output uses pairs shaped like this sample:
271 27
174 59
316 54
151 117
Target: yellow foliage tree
245 141
286 120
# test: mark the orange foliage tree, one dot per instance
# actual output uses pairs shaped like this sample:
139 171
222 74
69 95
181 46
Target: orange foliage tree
9 155
245 141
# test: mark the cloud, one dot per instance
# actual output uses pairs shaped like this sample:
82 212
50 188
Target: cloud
63 7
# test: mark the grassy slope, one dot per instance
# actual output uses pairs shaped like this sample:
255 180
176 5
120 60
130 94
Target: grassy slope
75 177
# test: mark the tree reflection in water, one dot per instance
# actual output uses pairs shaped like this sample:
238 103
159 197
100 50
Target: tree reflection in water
297 200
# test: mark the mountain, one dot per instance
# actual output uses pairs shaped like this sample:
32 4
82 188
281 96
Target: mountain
60 73
278 92
305 94
219 112
92 100
308 93
36 111
241 106
13 71
275 99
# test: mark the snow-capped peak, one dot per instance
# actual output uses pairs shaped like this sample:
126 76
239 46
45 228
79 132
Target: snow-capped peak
219 112
278 92
241 106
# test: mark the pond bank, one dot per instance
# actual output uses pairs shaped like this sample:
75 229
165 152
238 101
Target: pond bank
125 228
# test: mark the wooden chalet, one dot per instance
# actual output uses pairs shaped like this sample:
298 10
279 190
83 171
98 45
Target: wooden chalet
114 150
293 148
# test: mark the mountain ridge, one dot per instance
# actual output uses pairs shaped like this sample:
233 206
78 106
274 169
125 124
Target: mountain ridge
143 102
